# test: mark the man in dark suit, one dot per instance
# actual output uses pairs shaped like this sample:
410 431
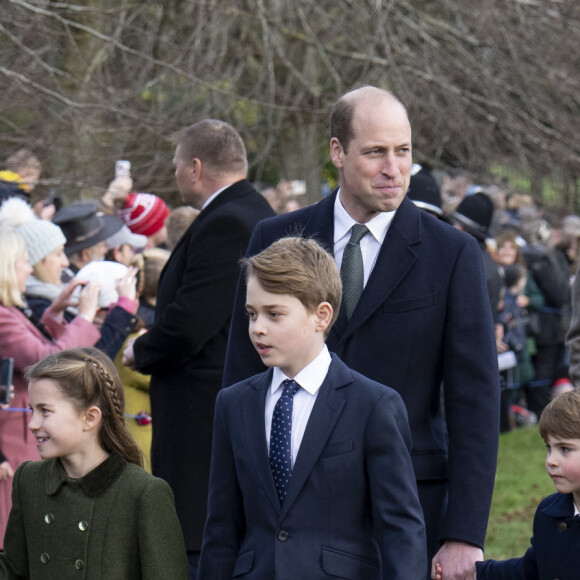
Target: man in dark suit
423 319
185 350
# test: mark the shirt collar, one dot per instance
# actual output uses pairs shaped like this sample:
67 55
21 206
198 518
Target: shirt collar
310 377
343 222
213 196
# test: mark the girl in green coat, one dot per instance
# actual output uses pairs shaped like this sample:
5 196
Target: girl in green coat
88 510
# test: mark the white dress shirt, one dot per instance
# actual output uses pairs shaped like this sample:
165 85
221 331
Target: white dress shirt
310 378
370 245
213 196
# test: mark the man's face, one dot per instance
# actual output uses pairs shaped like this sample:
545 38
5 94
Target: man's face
375 173
185 177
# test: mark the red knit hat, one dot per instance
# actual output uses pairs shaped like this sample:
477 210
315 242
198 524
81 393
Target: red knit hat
144 213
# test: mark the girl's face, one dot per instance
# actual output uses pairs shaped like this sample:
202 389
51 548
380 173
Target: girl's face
507 253
54 263
23 270
56 424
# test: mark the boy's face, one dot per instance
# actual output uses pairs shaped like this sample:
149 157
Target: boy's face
282 330
563 465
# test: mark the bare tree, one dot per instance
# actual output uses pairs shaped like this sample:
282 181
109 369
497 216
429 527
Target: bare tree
486 82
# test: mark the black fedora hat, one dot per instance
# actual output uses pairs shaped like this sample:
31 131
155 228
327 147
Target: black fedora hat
83 226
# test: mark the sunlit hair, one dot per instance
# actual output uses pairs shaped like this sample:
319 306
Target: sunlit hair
12 249
216 144
301 268
561 418
343 113
87 377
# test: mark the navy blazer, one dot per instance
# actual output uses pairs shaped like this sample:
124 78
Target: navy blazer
555 549
352 508
423 320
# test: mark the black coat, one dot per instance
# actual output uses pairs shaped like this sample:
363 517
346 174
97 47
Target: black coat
185 349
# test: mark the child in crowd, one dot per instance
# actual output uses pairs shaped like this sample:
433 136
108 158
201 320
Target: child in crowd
555 545
311 475
88 508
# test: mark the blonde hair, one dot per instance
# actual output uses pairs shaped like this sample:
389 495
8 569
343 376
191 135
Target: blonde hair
301 268
561 417
87 377
12 249
177 223
216 144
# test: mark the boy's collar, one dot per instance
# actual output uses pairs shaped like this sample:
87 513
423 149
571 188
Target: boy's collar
310 377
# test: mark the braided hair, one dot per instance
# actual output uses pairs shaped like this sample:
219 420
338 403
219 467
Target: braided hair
88 377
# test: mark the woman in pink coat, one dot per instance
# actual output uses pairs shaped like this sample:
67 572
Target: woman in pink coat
28 340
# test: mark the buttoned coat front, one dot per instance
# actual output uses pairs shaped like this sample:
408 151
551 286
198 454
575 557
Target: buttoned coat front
351 510
118 522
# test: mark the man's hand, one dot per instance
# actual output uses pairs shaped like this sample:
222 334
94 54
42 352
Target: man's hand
457 560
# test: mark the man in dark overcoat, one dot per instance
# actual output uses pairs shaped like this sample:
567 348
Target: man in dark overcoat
423 319
185 350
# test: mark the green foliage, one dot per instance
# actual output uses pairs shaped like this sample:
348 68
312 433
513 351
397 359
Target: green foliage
521 483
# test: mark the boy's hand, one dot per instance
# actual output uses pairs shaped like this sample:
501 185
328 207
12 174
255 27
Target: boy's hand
458 559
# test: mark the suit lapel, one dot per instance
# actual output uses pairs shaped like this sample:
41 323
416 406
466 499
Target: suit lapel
395 259
255 434
327 409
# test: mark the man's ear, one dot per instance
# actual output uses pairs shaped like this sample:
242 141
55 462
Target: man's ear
92 418
324 314
336 153
195 167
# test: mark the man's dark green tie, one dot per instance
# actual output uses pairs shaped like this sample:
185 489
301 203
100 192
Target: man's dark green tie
352 270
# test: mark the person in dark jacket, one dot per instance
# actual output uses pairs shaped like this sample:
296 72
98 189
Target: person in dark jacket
184 350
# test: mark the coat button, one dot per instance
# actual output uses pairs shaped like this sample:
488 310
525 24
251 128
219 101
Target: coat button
562 527
79 564
83 526
44 558
49 518
282 535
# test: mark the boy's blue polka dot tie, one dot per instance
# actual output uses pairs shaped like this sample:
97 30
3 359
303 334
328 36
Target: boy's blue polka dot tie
280 438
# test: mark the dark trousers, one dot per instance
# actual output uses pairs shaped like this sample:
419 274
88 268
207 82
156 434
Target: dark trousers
193 558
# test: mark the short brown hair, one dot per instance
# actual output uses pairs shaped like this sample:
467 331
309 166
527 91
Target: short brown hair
301 268
561 418
216 144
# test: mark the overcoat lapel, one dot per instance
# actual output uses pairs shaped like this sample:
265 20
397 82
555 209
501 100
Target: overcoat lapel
254 431
395 259
326 412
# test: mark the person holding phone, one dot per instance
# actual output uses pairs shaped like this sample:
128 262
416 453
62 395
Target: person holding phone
28 339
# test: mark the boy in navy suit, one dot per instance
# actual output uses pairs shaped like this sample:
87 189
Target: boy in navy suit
311 476
555 549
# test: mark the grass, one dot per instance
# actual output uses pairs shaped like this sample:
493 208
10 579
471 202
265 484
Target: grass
521 482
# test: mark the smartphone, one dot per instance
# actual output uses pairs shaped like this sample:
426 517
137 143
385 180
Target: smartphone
122 168
49 200
6 372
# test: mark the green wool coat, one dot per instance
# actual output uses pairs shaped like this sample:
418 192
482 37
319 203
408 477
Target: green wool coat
118 522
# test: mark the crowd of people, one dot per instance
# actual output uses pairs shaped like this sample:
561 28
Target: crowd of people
456 304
